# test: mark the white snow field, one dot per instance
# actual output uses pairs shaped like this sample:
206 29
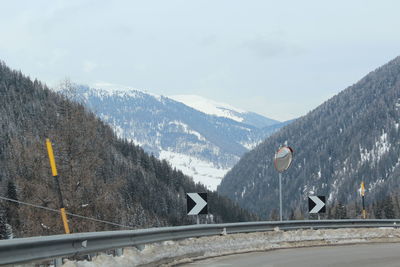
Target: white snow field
201 171
170 253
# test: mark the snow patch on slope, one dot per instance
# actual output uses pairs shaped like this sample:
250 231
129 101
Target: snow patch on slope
186 129
381 147
203 172
210 107
250 145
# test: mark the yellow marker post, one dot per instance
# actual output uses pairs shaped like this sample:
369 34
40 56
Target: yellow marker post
362 192
57 183
51 158
65 221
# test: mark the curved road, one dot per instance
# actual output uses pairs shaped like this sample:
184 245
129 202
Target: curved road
364 255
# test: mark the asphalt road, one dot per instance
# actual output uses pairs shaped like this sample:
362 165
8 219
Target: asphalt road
365 255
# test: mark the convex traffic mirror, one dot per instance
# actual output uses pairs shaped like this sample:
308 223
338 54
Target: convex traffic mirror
283 158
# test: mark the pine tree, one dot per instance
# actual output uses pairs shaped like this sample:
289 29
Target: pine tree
378 211
292 215
3 224
11 190
274 215
388 208
340 211
12 207
9 231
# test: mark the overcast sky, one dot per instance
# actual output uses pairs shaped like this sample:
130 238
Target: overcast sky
278 58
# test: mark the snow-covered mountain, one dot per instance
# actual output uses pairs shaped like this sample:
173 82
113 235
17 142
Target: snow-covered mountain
204 146
219 109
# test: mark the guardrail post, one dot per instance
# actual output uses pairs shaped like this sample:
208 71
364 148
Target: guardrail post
119 252
140 247
58 262
92 255
223 231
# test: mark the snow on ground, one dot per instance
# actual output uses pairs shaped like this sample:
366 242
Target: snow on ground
186 129
209 106
173 252
202 171
250 145
381 147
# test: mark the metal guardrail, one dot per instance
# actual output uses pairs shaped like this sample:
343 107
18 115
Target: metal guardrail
21 250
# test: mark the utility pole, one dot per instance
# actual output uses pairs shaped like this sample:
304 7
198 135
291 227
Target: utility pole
57 184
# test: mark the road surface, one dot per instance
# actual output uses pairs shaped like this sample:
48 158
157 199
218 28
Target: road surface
363 255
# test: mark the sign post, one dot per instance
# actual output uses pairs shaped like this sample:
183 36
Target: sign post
283 159
362 192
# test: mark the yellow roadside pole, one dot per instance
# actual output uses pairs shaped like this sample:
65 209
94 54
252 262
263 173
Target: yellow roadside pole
57 183
362 192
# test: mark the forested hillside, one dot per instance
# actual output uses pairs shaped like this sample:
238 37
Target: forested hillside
350 138
101 176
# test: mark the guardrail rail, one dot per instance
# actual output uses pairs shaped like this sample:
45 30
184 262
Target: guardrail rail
21 250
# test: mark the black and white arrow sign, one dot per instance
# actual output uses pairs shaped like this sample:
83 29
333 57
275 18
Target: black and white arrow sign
196 203
316 204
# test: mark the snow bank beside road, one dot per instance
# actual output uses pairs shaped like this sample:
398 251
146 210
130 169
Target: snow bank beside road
173 252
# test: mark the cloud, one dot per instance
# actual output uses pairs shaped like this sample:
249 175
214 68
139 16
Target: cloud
88 66
208 40
270 47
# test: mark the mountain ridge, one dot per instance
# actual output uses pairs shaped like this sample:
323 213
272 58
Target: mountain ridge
220 109
351 137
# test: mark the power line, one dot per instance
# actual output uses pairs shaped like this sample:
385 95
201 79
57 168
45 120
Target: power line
69 213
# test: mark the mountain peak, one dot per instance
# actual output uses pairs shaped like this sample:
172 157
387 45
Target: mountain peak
219 109
210 107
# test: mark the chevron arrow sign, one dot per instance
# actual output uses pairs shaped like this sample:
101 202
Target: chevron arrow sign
196 203
316 204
